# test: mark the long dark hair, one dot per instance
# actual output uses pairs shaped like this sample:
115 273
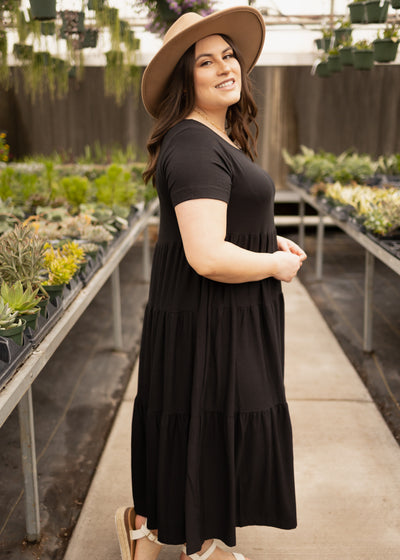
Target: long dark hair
179 102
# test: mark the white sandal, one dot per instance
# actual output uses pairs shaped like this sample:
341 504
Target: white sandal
127 535
209 551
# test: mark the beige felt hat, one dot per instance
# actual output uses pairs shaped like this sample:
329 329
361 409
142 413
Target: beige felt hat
244 25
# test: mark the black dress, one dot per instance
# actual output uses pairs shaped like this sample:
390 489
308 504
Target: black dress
211 433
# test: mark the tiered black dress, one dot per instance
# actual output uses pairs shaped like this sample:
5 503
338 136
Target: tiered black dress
211 433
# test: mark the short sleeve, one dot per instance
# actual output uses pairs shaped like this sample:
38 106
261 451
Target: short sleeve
195 166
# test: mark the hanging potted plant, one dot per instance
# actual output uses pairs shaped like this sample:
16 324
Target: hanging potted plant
334 64
343 31
321 67
11 326
163 13
385 48
90 38
43 9
363 55
346 53
47 28
327 38
396 4
72 22
95 5
357 11
376 11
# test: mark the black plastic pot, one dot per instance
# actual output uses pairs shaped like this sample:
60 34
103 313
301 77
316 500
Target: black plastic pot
385 50
346 56
322 70
375 11
363 59
334 64
357 12
43 9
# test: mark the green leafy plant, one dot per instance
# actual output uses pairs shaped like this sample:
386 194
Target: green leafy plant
76 190
60 268
115 187
8 317
21 256
363 45
390 32
75 251
23 300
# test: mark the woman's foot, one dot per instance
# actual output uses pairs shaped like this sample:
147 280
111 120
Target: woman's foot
145 548
216 554
136 542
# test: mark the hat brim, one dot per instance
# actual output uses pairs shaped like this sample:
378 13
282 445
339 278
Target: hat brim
244 25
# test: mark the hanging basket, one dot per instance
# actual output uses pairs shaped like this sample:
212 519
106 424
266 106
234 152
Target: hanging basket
363 59
346 56
385 50
357 12
334 64
23 52
72 22
43 9
322 70
342 34
90 38
375 11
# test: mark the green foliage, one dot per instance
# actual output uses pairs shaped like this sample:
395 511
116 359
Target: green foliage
363 45
76 190
389 165
390 32
8 317
21 256
60 267
23 300
72 249
115 187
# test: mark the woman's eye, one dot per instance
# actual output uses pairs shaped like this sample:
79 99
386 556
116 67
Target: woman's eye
206 63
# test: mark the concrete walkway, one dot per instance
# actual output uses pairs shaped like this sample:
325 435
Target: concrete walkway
346 460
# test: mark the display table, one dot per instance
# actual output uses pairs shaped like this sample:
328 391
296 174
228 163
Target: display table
18 391
372 250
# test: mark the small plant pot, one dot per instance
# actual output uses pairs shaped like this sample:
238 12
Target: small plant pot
385 50
54 291
341 35
15 333
31 319
47 28
43 305
95 4
357 12
346 56
322 70
327 43
90 38
318 43
375 11
396 4
43 9
23 52
334 64
363 59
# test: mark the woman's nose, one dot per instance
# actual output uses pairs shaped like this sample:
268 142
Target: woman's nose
223 66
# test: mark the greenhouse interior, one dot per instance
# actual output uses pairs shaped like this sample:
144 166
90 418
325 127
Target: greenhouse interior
78 230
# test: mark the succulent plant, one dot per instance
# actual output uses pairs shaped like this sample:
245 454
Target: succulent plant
75 251
8 317
60 268
21 256
20 299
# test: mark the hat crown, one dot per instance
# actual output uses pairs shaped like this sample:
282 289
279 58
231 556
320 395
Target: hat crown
181 24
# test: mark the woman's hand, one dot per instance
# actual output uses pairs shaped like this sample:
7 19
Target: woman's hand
288 246
287 265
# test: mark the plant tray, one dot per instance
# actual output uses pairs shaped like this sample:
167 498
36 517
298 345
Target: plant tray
44 324
12 355
92 266
71 290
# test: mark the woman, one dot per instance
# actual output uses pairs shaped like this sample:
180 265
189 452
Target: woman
211 433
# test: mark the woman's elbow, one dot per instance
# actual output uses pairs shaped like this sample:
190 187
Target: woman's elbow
203 265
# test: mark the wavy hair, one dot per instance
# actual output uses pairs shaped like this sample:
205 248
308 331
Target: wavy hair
179 102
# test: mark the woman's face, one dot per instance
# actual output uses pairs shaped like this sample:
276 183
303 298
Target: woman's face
217 74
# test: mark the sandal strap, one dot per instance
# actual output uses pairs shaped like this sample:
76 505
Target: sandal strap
203 556
143 532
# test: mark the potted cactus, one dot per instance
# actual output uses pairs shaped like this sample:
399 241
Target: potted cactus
11 326
23 300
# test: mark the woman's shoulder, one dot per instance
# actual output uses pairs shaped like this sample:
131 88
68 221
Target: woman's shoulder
187 129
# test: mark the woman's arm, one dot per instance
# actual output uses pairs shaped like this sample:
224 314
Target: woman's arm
202 224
